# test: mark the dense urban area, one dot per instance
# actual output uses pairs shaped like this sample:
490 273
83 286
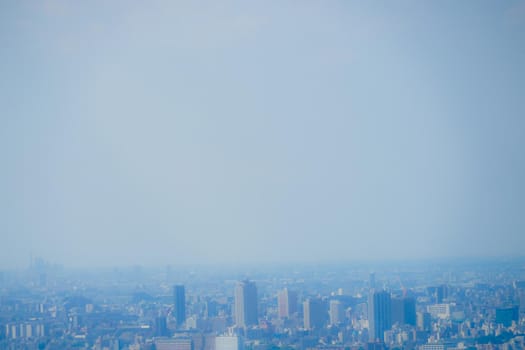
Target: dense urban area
439 305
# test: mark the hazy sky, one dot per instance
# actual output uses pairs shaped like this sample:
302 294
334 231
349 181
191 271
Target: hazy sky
168 132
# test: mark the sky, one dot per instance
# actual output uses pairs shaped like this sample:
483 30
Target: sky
183 132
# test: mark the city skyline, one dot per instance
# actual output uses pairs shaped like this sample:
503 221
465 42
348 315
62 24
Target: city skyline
456 307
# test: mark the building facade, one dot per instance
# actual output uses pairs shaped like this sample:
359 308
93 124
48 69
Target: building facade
246 313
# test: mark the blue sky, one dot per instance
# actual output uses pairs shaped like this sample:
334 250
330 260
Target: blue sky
185 132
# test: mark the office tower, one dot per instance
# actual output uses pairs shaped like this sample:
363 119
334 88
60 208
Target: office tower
314 313
287 303
180 304
161 329
211 309
246 304
228 342
409 305
398 310
337 312
403 310
505 315
423 321
379 315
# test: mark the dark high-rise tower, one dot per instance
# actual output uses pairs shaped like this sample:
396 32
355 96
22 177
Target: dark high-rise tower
180 304
161 330
379 315
403 310
410 310
246 304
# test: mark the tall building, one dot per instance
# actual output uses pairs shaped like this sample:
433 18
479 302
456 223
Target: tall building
180 304
379 315
287 303
403 310
409 306
314 313
398 310
337 314
423 321
161 329
505 315
210 309
246 304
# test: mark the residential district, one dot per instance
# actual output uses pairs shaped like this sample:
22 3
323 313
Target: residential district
433 305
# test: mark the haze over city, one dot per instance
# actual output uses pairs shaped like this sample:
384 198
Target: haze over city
182 132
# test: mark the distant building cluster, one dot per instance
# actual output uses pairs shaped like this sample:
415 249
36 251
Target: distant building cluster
335 308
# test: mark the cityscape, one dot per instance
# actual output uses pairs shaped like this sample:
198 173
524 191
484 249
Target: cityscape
262 175
433 305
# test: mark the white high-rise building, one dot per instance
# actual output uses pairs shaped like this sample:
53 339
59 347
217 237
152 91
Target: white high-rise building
287 303
337 314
